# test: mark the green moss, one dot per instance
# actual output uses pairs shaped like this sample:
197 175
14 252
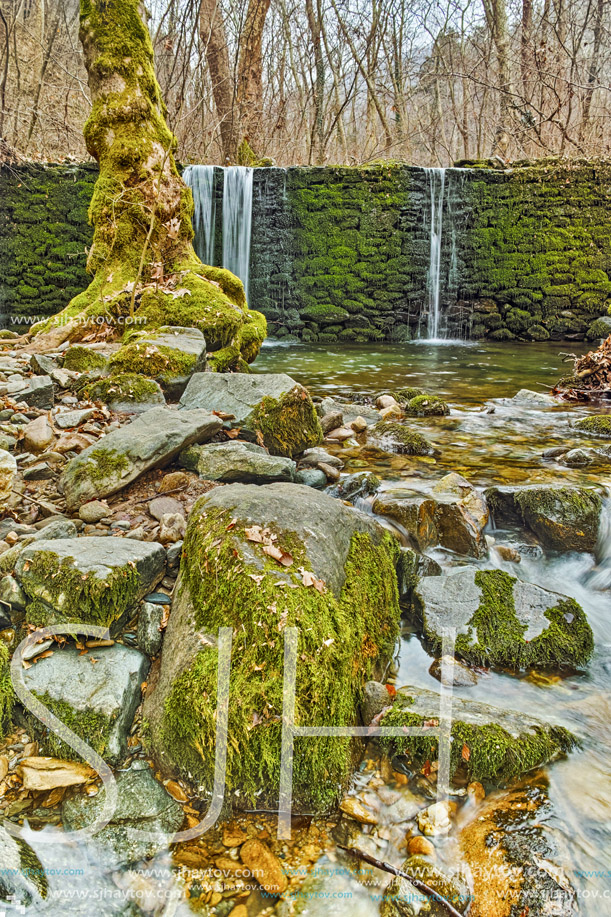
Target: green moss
152 360
58 590
288 424
403 395
325 314
83 359
496 637
426 406
7 696
596 424
341 640
125 388
495 755
89 725
404 440
598 330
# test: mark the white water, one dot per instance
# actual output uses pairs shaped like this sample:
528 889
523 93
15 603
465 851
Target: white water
200 180
437 184
237 221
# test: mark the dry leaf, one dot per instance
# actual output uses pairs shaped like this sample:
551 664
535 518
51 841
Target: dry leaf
255 533
256 577
283 557
466 753
39 774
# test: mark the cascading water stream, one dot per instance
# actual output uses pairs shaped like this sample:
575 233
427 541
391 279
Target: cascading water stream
600 577
437 184
200 180
237 221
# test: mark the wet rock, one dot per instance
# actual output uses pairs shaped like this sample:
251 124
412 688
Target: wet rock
402 899
575 458
331 421
359 425
22 876
507 553
355 809
509 840
238 462
454 517
375 699
93 511
564 518
265 866
500 620
143 807
331 473
8 470
314 552
536 399
494 744
399 438
331 890
38 434
435 820
39 774
94 579
150 636
386 401
420 846
98 701
271 404
459 675
313 457
426 406
410 567
149 441
350 411
359 484
595 425
339 435
311 477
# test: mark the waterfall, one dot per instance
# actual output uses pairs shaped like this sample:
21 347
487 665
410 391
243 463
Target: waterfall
437 184
237 221
200 180
601 575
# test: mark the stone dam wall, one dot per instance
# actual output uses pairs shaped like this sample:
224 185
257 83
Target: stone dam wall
346 254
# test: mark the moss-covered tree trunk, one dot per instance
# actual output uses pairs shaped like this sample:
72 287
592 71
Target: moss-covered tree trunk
146 273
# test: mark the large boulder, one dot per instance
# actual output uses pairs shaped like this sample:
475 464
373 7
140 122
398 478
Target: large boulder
563 518
454 515
95 694
270 407
143 823
501 621
95 579
237 463
169 355
260 559
500 744
150 441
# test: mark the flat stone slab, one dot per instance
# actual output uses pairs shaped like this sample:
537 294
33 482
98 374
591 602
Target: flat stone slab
501 621
237 462
152 440
107 692
68 419
94 578
234 393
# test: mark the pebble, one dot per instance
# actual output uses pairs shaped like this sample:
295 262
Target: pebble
173 481
173 528
93 511
386 401
355 809
163 506
506 552
420 846
359 425
331 474
265 866
435 820
476 791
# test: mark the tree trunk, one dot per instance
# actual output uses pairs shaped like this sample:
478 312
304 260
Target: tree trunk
141 209
216 49
250 72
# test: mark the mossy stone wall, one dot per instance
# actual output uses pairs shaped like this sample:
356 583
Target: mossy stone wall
341 254
44 235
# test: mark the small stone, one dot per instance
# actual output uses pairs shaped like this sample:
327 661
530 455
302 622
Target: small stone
355 809
240 910
93 511
173 528
340 434
173 555
331 421
435 820
506 552
233 836
386 401
73 418
41 774
162 506
420 845
8 470
311 477
173 481
392 411
459 675
149 628
359 425
476 791
331 474
265 866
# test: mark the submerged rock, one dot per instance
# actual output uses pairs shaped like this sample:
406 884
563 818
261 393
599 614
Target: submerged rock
400 438
536 399
453 516
563 518
487 743
97 701
595 425
144 807
402 899
149 441
94 579
261 559
502 621
238 462
271 405
331 890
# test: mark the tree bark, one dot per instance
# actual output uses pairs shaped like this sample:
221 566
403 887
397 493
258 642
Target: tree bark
216 49
141 209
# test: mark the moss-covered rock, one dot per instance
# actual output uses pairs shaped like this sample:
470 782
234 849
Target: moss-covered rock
595 425
170 356
402 899
563 518
95 580
6 691
347 620
289 424
400 438
501 621
599 329
125 392
426 406
501 744
83 359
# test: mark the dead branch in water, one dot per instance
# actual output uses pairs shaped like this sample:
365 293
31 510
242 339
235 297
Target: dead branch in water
591 374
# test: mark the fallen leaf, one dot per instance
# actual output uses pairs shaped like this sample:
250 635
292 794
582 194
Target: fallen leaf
40 774
283 557
466 753
255 533
257 577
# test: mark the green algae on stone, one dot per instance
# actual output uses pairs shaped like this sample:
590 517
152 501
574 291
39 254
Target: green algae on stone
404 440
595 424
125 389
501 744
6 690
347 627
289 424
90 725
83 359
426 406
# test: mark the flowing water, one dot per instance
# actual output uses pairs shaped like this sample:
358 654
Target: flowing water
237 221
200 180
502 447
437 184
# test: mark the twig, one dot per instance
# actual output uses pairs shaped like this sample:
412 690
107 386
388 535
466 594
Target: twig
417 883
